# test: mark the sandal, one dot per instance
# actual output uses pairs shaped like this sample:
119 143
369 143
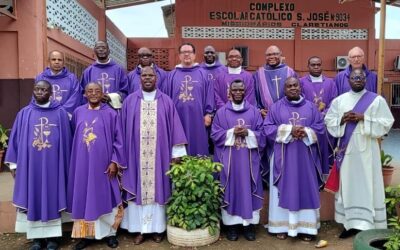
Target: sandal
281 236
158 237
139 239
306 237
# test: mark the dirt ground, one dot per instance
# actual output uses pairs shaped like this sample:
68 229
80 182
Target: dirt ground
329 231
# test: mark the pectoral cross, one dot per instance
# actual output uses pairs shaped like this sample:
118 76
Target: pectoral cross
105 81
276 80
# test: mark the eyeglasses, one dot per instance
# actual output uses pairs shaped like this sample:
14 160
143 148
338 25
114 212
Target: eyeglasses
234 57
145 55
273 54
186 52
358 78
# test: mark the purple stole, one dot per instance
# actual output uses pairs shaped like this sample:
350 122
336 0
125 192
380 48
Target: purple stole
332 184
266 97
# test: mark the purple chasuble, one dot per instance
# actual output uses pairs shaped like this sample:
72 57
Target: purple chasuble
343 85
169 132
111 76
269 83
39 144
321 94
223 81
213 71
97 142
241 174
297 168
135 82
66 88
193 97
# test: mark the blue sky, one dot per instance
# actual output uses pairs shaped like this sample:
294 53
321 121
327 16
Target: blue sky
146 20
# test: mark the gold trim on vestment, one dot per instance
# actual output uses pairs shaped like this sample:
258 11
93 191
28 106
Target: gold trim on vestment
291 226
148 141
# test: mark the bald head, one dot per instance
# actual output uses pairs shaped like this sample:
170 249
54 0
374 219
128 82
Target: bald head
356 58
56 61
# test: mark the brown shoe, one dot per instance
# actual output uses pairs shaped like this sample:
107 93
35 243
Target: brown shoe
158 237
139 239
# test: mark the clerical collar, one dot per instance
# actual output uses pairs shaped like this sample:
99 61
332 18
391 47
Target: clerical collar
95 108
141 67
108 61
191 66
235 71
211 64
46 105
149 96
298 101
358 93
238 107
316 79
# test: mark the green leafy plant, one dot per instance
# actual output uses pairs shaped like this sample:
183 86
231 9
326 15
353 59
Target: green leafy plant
386 159
392 200
196 195
393 242
3 137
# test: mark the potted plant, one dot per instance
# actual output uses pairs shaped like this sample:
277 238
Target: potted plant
193 210
3 142
387 169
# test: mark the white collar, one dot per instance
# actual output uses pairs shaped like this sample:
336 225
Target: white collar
149 96
181 66
298 101
316 79
108 61
46 105
210 65
358 93
235 71
238 107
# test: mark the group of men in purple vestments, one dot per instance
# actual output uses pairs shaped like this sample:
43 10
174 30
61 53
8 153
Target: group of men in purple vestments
85 160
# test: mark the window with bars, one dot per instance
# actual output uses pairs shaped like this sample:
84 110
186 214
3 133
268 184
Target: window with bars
75 65
395 94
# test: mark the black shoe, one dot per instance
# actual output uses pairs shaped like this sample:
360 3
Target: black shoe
249 232
52 244
37 244
112 242
83 244
232 233
348 233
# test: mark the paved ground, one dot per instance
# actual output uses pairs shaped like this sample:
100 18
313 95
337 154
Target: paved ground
329 231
